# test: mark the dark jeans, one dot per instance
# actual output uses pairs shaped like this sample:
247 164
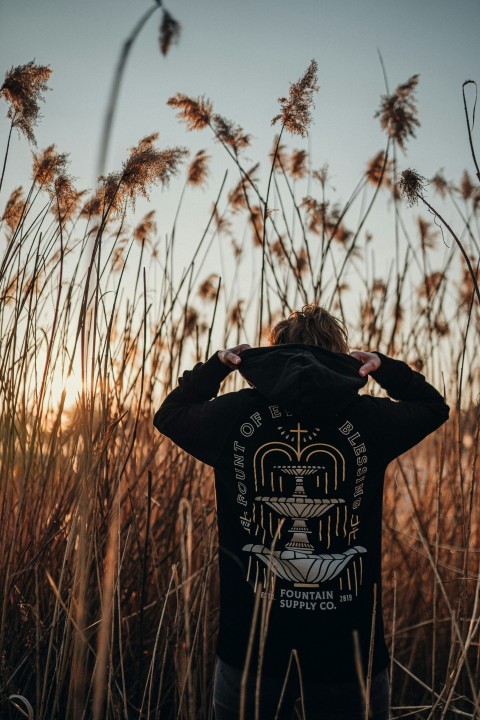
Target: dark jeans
322 701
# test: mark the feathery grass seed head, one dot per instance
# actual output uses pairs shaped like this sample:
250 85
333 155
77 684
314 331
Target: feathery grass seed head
256 223
169 32
208 289
190 321
235 315
412 186
227 132
374 170
66 198
431 284
145 228
296 113
398 112
198 170
298 164
148 166
22 88
439 183
467 187
196 113
428 234
144 167
14 208
301 262
48 165
238 196
316 213
109 196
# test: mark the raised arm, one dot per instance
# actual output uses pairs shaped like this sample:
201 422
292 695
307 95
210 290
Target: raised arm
419 411
190 417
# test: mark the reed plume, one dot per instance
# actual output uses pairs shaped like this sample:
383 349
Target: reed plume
412 186
196 113
256 222
14 208
398 112
236 312
431 284
229 133
146 228
469 284
108 199
428 234
23 88
147 166
208 288
439 184
198 170
169 32
296 109
316 214
48 165
298 164
375 167
66 197
466 187
190 321
238 197
99 513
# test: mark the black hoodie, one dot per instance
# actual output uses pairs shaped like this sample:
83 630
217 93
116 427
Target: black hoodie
299 464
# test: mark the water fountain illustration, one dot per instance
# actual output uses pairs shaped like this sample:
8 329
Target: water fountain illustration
297 561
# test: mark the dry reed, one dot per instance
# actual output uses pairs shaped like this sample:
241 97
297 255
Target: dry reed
108 596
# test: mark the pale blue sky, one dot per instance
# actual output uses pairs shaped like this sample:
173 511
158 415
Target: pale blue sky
243 54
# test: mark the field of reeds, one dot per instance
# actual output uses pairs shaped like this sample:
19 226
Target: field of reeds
108 579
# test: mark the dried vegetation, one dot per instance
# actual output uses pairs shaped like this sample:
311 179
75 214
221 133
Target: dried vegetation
108 581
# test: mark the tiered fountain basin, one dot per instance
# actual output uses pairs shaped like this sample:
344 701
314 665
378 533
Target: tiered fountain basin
304 569
300 507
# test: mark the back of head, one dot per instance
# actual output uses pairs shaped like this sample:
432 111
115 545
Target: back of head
313 325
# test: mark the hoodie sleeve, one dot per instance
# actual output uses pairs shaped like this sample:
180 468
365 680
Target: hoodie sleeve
189 416
420 410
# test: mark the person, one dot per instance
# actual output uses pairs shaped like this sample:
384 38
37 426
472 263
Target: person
299 459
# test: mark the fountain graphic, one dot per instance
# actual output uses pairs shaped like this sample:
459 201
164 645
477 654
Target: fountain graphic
297 562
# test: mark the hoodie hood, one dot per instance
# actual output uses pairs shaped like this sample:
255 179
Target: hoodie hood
307 380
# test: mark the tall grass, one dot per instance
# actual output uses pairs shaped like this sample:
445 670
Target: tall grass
108 582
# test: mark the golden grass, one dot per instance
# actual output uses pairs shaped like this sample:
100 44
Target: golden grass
108 581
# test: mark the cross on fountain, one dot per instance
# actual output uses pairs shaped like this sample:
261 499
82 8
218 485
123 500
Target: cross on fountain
298 433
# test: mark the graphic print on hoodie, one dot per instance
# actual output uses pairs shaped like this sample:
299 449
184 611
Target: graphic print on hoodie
304 514
299 464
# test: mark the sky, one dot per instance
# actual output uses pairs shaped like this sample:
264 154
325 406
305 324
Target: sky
243 55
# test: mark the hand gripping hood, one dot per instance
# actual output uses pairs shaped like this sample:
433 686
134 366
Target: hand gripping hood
307 380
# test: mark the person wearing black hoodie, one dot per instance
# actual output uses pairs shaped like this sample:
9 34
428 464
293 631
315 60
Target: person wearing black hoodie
299 460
